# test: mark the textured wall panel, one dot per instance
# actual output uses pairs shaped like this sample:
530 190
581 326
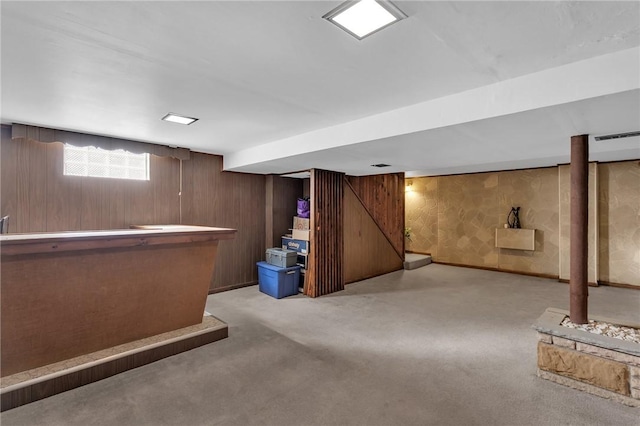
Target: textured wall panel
535 191
468 213
619 227
422 215
454 218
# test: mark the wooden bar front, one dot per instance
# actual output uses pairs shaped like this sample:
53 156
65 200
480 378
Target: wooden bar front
73 293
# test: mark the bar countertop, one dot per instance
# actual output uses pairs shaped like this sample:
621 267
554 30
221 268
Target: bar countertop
138 235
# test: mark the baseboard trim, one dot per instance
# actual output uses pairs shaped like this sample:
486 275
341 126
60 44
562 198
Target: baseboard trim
26 390
610 284
231 287
488 268
566 281
418 252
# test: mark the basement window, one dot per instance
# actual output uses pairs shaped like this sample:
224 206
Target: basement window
97 162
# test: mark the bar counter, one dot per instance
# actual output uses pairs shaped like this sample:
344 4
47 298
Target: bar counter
67 294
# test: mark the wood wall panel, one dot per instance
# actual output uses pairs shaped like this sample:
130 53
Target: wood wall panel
38 197
367 252
231 200
325 273
64 193
280 207
384 197
20 219
8 175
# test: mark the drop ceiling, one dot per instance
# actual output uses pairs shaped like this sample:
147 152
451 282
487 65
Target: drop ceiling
456 87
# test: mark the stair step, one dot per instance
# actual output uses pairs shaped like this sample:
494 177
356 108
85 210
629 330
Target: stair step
414 260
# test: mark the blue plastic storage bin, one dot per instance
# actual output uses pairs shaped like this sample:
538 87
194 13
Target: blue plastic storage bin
276 281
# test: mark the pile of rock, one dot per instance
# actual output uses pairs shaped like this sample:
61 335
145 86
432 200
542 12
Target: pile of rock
605 329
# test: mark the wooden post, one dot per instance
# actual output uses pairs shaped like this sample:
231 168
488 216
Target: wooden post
578 279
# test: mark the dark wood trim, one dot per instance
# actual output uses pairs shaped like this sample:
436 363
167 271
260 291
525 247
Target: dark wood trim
232 287
488 268
110 367
619 285
346 181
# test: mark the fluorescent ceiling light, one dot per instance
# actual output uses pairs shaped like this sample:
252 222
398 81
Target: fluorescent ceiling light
180 119
364 17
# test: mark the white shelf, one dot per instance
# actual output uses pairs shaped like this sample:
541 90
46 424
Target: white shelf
516 239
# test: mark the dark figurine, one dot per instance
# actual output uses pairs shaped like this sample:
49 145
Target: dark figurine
513 219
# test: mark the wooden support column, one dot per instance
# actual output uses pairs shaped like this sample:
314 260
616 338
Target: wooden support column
578 278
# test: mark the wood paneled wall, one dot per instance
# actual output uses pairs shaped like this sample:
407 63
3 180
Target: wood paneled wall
38 197
229 200
325 273
383 197
367 251
280 208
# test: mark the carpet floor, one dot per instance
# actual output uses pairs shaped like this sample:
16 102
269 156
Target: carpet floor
438 345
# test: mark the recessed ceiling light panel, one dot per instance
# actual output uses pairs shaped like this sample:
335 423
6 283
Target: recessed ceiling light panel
364 17
180 119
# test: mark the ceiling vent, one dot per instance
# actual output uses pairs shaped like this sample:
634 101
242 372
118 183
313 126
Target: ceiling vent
617 136
381 165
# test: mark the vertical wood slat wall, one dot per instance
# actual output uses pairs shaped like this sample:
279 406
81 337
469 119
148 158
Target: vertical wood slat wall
39 198
384 198
325 272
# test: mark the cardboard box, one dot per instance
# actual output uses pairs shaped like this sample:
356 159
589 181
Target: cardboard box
299 234
281 257
301 246
278 282
300 223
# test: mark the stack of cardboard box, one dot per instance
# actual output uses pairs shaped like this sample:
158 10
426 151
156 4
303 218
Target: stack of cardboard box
298 241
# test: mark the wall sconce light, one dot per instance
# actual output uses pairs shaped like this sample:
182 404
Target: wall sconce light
409 187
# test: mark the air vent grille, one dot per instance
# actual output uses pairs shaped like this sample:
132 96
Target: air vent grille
617 136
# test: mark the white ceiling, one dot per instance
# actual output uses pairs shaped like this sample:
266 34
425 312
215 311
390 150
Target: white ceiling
457 87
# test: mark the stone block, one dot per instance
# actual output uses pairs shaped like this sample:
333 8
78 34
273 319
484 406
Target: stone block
546 338
565 343
635 393
609 354
634 377
585 387
597 371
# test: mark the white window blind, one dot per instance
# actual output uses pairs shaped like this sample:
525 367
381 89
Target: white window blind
96 162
